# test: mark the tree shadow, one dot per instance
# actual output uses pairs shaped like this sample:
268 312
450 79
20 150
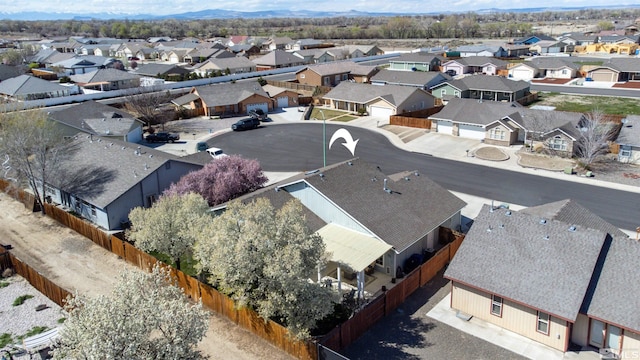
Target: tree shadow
87 181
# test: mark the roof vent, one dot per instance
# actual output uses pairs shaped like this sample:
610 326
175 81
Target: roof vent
350 163
150 156
146 167
416 173
373 179
277 188
124 147
489 229
508 213
546 237
543 221
573 228
406 178
501 226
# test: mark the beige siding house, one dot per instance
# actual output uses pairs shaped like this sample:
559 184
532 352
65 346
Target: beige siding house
550 273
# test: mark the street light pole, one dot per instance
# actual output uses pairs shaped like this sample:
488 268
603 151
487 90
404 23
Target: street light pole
324 139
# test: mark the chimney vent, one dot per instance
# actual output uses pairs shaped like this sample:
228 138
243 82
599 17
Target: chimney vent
543 221
573 228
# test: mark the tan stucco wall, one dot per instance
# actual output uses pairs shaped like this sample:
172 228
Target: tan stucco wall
310 78
580 331
630 345
515 317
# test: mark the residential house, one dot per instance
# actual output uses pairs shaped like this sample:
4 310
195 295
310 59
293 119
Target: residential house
515 51
550 47
277 59
98 119
106 80
305 44
570 295
545 67
26 87
245 50
380 101
416 62
482 87
530 40
616 70
619 39
103 179
9 71
358 51
331 74
237 40
474 65
320 56
421 79
97 49
46 57
230 99
200 55
369 220
505 124
281 97
480 50
629 140
160 70
578 38
85 64
233 65
276 43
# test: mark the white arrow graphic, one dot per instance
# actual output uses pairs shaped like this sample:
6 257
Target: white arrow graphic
349 142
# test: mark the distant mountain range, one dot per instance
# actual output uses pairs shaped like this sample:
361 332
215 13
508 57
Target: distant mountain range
228 14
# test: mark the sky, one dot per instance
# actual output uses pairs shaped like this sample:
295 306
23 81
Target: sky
164 7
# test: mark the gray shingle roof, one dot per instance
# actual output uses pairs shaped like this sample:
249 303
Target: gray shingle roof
545 62
472 111
162 69
229 94
624 64
363 93
8 71
481 61
26 84
103 75
232 62
630 131
571 212
339 68
99 170
95 118
414 208
543 265
489 82
278 58
416 57
616 298
412 78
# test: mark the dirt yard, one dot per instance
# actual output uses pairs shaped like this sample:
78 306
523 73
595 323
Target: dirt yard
77 264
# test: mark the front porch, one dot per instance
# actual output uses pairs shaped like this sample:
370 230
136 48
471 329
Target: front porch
345 281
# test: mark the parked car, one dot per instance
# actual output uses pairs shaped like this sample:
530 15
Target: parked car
258 114
245 124
216 153
162 137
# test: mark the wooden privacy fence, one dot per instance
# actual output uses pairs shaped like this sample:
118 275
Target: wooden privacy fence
349 331
416 119
47 287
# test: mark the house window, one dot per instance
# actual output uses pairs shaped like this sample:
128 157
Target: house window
456 93
302 76
380 261
327 81
497 134
543 323
496 305
93 211
558 143
443 92
345 77
625 151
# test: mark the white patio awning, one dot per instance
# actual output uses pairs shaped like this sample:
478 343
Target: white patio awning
352 248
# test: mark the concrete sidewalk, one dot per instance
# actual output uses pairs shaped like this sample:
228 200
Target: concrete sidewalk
506 339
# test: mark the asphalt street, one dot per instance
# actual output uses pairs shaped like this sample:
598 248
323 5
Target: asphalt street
298 147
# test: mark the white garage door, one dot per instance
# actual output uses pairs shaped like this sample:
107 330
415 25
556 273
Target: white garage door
262 106
445 127
521 74
283 101
471 132
381 111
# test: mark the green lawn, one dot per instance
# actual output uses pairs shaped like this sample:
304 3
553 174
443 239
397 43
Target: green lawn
585 104
329 114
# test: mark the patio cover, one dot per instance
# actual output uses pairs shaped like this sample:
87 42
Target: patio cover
352 248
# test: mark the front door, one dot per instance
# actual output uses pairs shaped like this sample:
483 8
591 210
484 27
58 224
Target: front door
605 335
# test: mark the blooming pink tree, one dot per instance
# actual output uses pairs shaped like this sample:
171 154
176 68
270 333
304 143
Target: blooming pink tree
221 180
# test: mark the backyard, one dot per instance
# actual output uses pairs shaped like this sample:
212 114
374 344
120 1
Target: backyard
585 104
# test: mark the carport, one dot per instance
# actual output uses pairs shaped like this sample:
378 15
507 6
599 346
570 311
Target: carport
352 250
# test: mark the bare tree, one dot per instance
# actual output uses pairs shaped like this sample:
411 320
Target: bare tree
595 133
32 146
148 106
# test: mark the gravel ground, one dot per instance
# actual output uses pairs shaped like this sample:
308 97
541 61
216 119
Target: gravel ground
18 320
